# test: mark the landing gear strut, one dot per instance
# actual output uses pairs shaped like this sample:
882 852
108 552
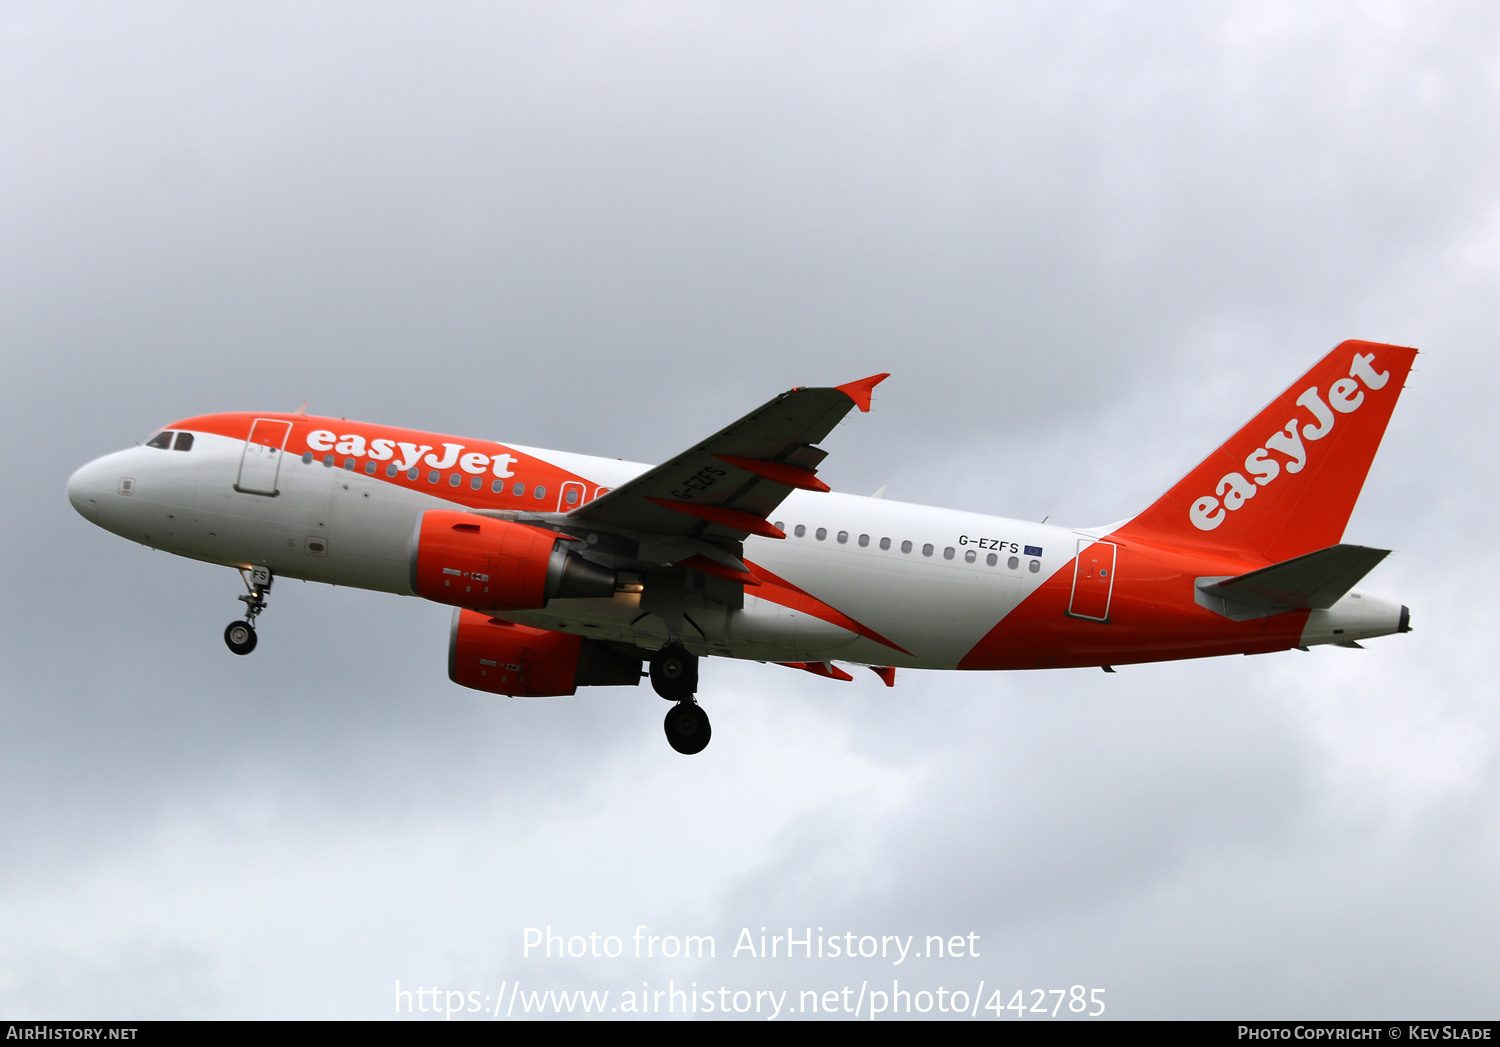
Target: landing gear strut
674 675
240 636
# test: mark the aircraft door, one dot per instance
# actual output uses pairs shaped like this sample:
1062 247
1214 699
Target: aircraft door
571 497
260 464
1093 580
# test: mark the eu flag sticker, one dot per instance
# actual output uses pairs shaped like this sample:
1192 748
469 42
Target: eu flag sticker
1033 550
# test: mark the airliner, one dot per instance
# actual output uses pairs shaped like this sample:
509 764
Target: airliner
568 571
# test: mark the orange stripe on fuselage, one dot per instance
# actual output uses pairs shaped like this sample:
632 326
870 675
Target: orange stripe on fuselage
1152 617
780 591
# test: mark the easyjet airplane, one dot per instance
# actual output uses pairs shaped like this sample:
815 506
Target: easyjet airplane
568 571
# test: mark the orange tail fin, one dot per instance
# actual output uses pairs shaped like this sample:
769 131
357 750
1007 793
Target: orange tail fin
1285 484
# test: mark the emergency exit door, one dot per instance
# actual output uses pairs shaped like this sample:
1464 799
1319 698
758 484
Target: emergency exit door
571 496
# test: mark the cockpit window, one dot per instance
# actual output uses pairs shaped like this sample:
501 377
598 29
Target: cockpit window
184 442
162 439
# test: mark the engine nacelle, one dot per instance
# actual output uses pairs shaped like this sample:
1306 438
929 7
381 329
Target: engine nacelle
489 654
475 561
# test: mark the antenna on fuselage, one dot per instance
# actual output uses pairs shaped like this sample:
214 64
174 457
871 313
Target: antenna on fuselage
301 410
880 493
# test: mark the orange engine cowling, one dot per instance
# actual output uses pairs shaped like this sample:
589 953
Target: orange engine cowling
489 654
475 561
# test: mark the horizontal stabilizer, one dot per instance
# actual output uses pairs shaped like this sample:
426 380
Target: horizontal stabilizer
1317 580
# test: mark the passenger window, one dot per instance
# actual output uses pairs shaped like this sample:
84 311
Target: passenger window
497 486
864 541
349 465
1012 563
369 468
1034 566
184 442
475 483
161 440
799 531
780 526
970 556
821 533
328 461
541 492
307 458
412 474
518 490
992 559
885 543
948 553
927 549
906 547
390 470
572 496
843 537
432 477
454 479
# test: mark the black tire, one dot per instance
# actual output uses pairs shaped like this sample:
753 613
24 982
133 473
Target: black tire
687 727
674 673
239 637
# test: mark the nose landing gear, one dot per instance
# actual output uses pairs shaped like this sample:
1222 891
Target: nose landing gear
674 676
240 636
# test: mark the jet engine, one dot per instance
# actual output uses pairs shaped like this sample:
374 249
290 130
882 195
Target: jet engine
475 561
489 654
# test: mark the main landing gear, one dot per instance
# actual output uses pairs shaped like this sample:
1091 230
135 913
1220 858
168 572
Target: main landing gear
674 675
240 636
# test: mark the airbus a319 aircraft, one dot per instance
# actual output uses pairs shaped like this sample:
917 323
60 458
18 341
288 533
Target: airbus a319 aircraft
568 571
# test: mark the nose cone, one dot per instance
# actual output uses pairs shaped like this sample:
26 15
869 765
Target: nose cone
85 490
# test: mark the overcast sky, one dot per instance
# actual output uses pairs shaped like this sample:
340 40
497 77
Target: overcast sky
1088 241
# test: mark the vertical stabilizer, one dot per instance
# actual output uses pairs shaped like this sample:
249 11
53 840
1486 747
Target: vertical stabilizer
1285 484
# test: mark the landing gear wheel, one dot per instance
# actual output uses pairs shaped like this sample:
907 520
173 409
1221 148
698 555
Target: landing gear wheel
674 673
240 636
687 728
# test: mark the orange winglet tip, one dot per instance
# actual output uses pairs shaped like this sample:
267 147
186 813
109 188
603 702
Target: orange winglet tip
735 518
699 562
828 671
886 673
776 472
860 391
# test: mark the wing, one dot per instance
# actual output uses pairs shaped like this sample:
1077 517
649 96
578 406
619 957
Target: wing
729 484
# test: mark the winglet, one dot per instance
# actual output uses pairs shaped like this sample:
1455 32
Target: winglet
860 391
